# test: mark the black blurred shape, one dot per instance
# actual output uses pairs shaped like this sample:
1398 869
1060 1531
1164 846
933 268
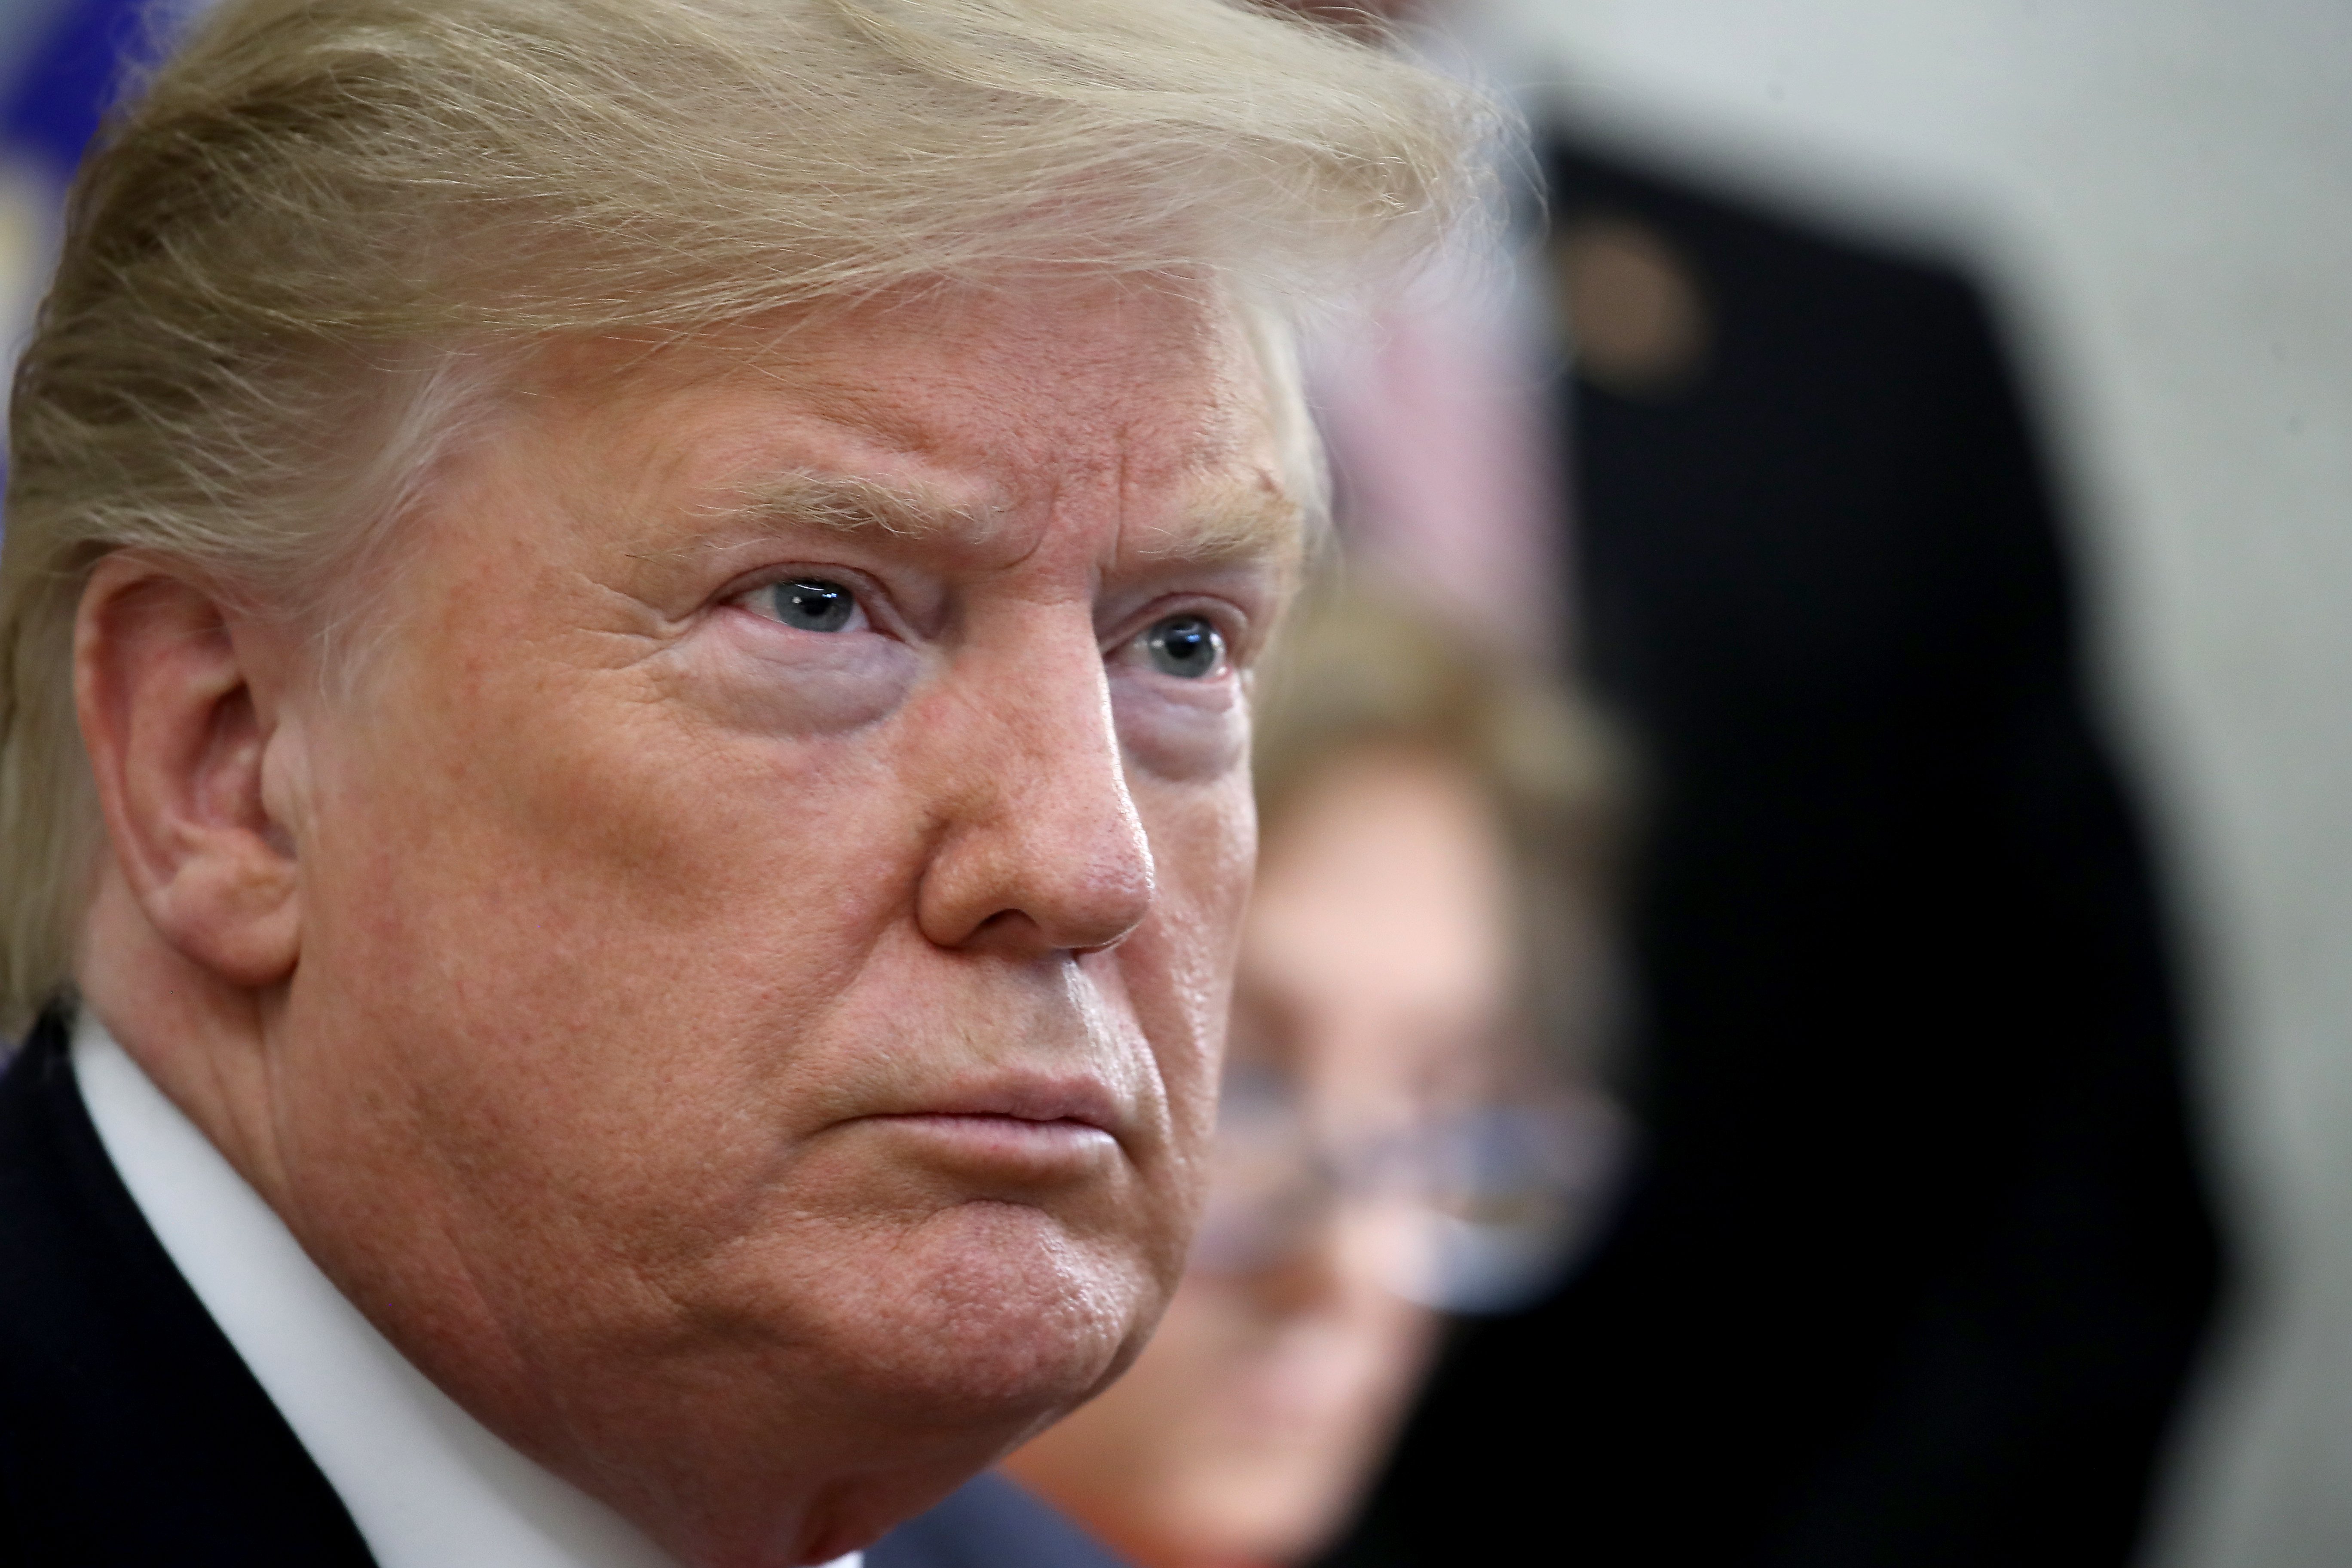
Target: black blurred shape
1920 1254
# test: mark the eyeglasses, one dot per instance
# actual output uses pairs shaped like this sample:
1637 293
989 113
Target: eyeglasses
1490 1201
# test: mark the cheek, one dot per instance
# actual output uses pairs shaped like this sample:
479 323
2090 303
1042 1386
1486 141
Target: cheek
1180 965
584 968
606 877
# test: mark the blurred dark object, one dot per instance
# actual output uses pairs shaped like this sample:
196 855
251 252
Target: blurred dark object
51 95
989 1522
1921 1253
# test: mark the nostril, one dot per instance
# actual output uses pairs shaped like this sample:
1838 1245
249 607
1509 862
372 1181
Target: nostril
1092 947
1013 930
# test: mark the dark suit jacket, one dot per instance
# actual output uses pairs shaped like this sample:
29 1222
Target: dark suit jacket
132 1435
1919 1253
990 1523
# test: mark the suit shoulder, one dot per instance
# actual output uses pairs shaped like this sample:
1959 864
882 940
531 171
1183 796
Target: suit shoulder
990 1523
1746 237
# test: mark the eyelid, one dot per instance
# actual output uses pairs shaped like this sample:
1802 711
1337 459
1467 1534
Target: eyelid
881 613
1232 622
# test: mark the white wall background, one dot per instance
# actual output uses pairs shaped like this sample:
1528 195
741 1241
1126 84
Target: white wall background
2162 192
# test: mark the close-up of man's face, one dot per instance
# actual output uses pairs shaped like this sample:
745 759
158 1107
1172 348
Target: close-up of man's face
627 631
767 898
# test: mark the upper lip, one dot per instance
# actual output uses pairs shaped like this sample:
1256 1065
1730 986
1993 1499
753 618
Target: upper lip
1028 1098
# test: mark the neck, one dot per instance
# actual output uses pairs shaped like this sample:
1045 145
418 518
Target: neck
197 1037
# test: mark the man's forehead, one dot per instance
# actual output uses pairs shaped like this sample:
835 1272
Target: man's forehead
1136 432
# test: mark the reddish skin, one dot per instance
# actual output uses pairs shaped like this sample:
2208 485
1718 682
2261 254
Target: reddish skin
762 1073
1376 970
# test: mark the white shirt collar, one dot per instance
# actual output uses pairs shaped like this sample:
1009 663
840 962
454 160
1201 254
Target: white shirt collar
429 1485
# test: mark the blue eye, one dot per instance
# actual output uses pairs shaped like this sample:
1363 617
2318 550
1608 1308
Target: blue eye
1188 647
812 604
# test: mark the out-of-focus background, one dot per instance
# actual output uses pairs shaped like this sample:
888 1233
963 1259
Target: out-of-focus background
2155 198
2159 195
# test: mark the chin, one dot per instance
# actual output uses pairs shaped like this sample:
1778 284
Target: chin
994 1311
899 1359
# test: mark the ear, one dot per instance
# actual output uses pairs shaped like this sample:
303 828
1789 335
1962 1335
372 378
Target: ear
178 729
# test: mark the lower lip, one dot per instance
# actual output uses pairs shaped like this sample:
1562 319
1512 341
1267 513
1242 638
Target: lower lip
1009 1141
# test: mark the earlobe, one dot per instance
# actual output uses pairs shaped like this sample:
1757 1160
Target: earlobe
176 701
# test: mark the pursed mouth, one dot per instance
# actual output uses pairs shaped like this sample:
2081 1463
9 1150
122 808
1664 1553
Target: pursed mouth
1073 1105
1003 1145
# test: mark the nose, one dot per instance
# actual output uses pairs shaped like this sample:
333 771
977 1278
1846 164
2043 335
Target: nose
1040 848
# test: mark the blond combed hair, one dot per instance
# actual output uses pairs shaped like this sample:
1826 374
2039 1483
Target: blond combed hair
301 247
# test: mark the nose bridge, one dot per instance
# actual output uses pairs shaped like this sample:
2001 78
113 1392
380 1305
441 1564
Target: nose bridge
1051 830
1072 781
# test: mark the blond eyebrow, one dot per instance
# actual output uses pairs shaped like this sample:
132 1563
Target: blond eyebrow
1233 523
1229 524
853 504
